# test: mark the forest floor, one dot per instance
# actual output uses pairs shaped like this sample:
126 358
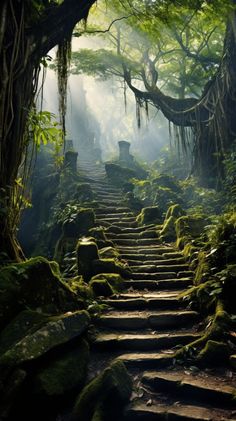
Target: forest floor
146 323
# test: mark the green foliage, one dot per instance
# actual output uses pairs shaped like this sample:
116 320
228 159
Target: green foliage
44 130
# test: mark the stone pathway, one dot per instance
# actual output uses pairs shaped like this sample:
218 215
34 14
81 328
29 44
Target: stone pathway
147 323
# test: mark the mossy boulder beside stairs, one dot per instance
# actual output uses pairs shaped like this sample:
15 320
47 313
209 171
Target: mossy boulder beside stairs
40 334
33 284
149 215
65 373
104 397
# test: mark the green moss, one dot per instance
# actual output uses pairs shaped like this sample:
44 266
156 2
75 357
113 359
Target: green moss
64 373
109 252
118 174
168 230
168 181
33 344
101 287
114 279
203 268
110 266
33 284
214 353
81 288
192 226
83 192
151 214
111 389
175 210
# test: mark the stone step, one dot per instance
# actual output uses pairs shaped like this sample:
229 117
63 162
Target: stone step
174 412
156 262
142 303
160 268
200 388
145 342
135 236
126 320
147 294
115 215
146 360
138 242
171 283
108 210
140 257
138 229
125 224
112 203
116 218
144 250
172 255
155 276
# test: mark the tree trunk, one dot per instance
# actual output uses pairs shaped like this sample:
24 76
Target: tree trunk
26 35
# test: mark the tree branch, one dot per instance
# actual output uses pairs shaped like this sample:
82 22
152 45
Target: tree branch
57 23
98 31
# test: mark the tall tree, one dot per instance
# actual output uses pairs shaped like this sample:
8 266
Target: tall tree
209 112
28 30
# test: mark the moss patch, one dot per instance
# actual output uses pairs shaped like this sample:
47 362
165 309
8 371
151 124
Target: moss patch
111 389
151 214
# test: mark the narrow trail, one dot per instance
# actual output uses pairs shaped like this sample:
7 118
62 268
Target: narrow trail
146 323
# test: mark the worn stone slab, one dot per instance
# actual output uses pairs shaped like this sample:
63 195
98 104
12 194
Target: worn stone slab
205 389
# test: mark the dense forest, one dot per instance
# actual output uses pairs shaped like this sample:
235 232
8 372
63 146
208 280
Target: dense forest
118 275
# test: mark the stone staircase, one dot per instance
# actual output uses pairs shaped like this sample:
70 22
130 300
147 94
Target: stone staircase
146 323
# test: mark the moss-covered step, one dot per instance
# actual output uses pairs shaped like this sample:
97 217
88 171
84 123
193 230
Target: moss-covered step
139 229
157 249
151 319
161 268
188 387
142 342
142 303
125 224
137 242
146 360
158 284
132 257
152 276
132 236
114 215
174 412
156 261
108 210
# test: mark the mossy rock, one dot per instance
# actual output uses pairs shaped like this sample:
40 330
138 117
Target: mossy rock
83 193
99 235
86 252
109 252
119 175
109 266
168 230
203 268
214 353
175 210
65 373
168 181
115 280
29 345
33 284
80 288
190 225
110 391
101 287
80 224
148 215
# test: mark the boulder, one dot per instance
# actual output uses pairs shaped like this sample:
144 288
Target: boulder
108 393
33 284
65 373
114 279
101 287
149 215
109 266
83 193
41 338
80 224
168 181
